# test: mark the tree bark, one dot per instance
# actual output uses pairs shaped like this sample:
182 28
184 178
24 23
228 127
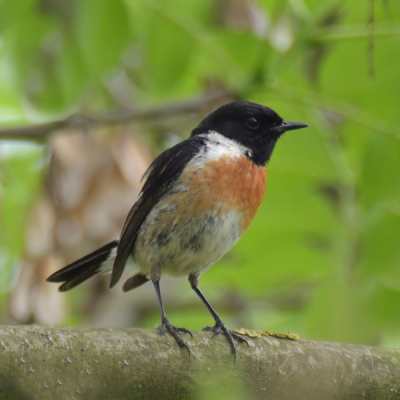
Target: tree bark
85 363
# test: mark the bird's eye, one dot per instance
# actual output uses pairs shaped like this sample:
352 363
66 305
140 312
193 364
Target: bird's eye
252 123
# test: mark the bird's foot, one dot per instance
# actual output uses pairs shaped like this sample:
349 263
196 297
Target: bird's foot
166 326
220 327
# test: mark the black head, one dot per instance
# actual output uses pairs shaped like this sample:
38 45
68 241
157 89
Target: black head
255 126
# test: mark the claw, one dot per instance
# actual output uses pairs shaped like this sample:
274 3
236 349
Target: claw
230 335
166 326
208 329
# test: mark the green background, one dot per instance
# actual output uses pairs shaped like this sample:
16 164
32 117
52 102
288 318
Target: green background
322 257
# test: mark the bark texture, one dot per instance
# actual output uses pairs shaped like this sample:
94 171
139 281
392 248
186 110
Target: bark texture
74 363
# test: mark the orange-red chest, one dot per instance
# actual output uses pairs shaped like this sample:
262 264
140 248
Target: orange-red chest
227 184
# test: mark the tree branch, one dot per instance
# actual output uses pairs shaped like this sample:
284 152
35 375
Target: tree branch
40 131
86 363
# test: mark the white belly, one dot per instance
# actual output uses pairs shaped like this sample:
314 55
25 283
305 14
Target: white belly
185 246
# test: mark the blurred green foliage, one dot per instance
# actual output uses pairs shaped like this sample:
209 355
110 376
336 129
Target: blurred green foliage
323 252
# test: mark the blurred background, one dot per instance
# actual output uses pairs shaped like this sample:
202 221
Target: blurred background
92 90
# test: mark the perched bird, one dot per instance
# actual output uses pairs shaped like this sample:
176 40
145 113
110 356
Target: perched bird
197 200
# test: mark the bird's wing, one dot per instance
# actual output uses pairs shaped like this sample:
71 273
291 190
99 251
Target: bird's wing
164 170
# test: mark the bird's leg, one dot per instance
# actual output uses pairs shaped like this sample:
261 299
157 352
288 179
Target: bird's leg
219 325
165 324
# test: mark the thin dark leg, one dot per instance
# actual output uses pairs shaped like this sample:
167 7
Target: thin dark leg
219 325
165 324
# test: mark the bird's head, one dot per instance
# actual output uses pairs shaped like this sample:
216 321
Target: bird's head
252 125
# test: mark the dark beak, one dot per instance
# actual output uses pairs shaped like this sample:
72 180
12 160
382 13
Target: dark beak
289 126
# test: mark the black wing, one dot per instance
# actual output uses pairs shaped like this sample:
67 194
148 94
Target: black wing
164 170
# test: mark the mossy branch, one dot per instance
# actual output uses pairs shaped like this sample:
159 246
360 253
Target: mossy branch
76 363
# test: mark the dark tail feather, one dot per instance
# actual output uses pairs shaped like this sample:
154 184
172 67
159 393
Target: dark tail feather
84 268
78 279
134 282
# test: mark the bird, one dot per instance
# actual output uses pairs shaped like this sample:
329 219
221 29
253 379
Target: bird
197 199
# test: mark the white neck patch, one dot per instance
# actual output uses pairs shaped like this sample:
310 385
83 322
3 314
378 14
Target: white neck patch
219 145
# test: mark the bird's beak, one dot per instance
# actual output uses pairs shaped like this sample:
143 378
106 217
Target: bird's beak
289 126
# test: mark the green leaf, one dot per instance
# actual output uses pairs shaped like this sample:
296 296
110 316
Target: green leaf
380 178
102 33
21 181
337 312
380 253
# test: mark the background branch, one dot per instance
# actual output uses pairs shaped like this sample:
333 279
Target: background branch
65 363
80 120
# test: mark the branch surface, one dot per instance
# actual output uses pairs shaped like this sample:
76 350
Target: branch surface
86 363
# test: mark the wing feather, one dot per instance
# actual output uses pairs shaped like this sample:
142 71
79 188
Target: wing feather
164 170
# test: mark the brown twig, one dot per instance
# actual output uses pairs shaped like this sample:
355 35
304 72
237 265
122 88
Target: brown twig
79 120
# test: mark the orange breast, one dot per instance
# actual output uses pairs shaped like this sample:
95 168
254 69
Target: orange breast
225 184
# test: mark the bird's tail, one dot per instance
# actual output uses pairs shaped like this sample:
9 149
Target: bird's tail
73 274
